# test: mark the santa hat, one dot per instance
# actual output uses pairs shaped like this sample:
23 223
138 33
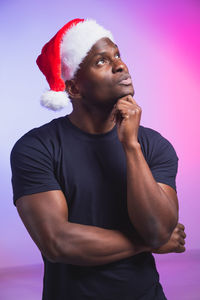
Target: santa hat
61 56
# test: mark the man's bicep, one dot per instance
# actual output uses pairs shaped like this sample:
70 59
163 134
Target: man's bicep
43 214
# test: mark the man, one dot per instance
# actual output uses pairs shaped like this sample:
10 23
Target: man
95 189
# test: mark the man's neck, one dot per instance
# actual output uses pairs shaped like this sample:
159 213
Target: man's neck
95 121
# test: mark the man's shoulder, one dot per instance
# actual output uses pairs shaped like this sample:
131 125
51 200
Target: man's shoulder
154 143
40 136
51 127
148 133
45 130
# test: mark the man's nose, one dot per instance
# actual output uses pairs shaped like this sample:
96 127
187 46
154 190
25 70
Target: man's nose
118 66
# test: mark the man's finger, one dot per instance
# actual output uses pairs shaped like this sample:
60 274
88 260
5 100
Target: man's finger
182 241
128 98
181 249
124 104
183 234
181 226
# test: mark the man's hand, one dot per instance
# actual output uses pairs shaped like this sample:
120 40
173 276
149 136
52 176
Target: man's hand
127 114
176 242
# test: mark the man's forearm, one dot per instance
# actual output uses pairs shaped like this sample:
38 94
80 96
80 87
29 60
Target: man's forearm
151 212
89 245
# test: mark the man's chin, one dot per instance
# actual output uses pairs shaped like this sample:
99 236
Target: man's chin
124 93
109 103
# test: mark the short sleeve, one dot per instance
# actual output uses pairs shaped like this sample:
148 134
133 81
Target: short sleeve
164 162
32 167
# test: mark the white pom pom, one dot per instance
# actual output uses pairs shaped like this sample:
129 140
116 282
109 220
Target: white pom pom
54 100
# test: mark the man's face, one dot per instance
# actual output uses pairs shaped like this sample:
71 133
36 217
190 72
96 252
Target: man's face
103 77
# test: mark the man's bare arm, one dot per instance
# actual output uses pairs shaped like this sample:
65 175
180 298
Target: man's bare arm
152 207
45 215
176 243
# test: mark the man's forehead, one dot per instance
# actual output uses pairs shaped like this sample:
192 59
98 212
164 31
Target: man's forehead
102 45
99 48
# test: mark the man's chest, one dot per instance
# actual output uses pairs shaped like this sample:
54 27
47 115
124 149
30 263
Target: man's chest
93 179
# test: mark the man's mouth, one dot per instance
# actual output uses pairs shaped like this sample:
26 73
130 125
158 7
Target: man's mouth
125 80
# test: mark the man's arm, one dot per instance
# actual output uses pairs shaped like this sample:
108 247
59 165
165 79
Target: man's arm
152 207
45 215
176 243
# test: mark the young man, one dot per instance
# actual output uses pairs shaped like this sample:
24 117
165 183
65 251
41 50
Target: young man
95 189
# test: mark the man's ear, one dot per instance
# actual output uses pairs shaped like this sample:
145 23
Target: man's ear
72 89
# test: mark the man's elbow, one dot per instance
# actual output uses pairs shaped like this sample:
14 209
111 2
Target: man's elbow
159 235
58 252
157 242
52 250
51 257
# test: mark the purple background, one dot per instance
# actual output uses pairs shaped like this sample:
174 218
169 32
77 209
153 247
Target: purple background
159 41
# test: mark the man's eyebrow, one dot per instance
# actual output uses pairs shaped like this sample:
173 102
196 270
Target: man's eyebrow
104 52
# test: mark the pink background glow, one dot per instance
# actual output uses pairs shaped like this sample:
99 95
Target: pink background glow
159 41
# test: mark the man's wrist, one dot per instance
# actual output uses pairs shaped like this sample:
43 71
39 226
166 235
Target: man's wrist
132 146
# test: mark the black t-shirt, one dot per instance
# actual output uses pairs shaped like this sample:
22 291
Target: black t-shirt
90 169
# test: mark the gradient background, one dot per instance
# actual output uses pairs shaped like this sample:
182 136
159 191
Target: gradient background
159 41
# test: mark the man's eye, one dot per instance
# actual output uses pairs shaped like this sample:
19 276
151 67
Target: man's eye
100 61
117 55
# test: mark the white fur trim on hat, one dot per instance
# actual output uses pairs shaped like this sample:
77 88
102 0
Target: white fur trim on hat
54 100
76 44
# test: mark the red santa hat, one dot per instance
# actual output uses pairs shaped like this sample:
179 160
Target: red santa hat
61 56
